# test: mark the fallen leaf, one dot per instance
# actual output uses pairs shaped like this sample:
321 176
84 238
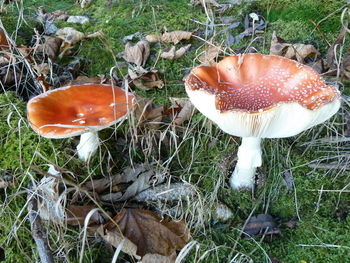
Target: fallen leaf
172 53
148 114
3 184
78 19
85 3
57 15
70 35
301 51
76 215
292 51
319 66
156 258
147 81
278 45
176 36
138 53
331 56
170 37
114 237
345 69
50 47
140 178
139 227
209 55
3 40
186 112
262 224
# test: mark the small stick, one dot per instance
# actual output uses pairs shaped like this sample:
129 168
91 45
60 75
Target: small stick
38 232
329 166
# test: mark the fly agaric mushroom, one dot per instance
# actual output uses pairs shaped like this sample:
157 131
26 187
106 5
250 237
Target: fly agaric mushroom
79 110
257 96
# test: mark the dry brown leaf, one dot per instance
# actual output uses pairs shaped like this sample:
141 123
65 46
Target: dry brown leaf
170 37
319 66
153 38
346 66
3 184
114 238
50 47
292 51
278 45
156 258
147 113
139 227
58 15
176 36
85 3
172 53
70 35
141 178
3 40
331 56
147 81
76 215
138 53
187 109
300 52
210 55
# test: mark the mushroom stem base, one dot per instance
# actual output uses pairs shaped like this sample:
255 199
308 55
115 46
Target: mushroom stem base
249 158
88 145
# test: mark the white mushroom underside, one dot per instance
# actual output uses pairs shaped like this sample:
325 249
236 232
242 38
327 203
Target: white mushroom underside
283 120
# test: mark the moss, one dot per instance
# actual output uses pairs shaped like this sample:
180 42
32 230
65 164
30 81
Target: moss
323 217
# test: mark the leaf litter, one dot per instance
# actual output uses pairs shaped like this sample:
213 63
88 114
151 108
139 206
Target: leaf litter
170 236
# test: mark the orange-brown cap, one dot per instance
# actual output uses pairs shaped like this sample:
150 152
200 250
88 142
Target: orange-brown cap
72 110
255 91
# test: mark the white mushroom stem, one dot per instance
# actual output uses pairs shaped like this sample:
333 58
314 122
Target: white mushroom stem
249 157
88 145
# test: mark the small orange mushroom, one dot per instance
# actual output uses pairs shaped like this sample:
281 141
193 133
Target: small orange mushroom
79 110
258 96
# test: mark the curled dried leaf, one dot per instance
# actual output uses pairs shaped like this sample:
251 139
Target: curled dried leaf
186 111
176 36
138 53
50 47
147 113
172 53
292 51
57 15
85 3
115 238
138 226
147 81
76 215
210 55
3 40
170 37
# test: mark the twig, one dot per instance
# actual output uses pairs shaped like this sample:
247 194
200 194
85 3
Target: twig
329 166
38 232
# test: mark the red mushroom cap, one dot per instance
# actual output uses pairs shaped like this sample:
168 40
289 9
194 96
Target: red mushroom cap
256 82
71 110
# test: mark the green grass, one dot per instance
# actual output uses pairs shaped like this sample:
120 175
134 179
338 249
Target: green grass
323 216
